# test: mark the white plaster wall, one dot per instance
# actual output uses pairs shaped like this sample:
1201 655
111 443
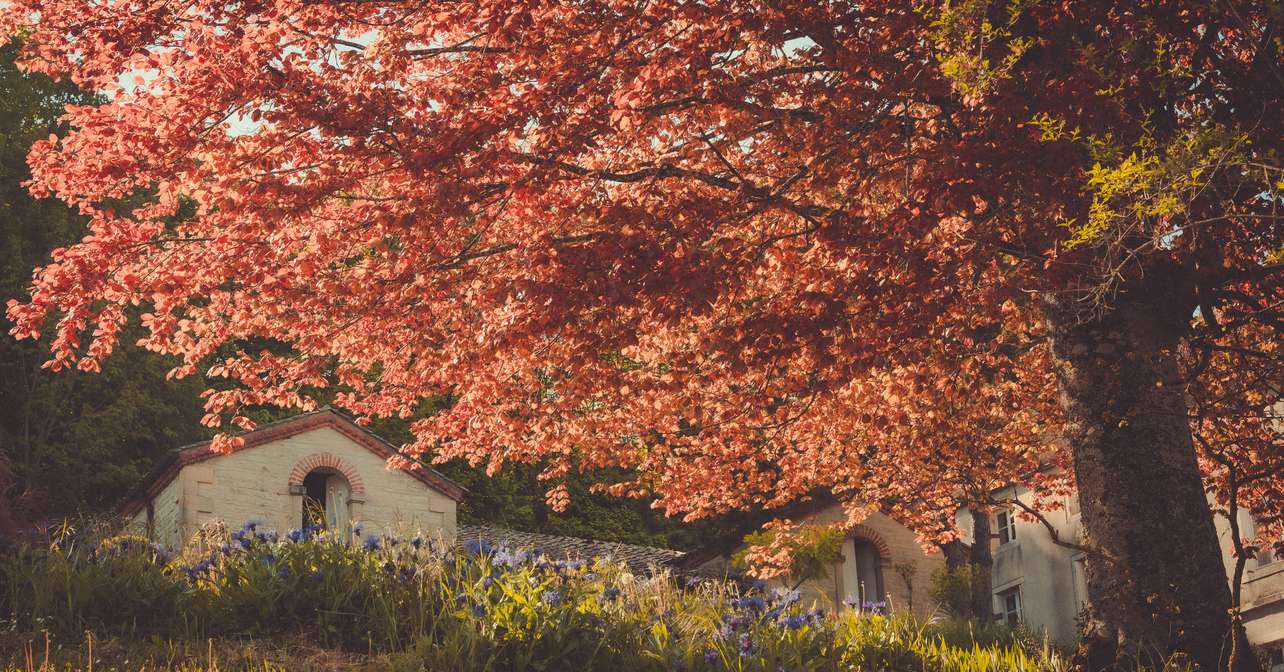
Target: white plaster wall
1052 588
1043 571
1262 596
253 484
167 507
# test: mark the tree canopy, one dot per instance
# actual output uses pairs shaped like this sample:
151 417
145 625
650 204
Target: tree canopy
741 251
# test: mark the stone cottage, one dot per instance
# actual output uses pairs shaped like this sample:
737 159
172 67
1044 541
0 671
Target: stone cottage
323 468
315 468
880 563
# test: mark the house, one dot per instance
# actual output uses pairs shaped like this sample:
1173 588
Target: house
880 563
315 468
1035 581
323 468
1039 583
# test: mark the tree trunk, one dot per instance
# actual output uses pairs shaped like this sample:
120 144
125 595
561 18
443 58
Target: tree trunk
982 567
1161 587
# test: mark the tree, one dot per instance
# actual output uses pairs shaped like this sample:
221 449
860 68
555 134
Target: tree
68 443
740 251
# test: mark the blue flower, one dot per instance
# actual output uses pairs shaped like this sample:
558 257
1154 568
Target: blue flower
611 594
245 543
416 543
477 547
488 581
389 567
479 610
759 584
551 597
794 622
295 535
693 581
786 597
372 543
754 603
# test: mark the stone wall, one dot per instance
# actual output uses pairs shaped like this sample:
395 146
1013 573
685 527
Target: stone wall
254 484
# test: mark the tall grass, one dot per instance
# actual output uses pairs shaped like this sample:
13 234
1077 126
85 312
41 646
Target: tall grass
426 605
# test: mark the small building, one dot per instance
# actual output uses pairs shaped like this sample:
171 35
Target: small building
1042 584
315 468
881 564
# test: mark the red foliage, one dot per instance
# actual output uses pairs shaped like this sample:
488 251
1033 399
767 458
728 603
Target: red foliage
744 251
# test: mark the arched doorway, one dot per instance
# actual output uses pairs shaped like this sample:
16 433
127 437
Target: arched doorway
326 494
862 572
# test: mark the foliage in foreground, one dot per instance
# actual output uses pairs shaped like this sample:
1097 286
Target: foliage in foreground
420 604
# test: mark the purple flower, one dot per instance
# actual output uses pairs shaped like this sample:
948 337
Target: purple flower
710 656
477 547
746 643
551 597
372 543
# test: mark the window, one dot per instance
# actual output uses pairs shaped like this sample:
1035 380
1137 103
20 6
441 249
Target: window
1010 607
1248 530
1079 575
1005 526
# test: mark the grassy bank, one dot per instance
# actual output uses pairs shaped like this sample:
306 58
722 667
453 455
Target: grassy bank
255 600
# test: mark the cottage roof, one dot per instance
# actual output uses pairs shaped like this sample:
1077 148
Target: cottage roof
173 462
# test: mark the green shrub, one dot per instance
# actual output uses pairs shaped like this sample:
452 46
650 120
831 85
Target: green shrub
426 606
120 586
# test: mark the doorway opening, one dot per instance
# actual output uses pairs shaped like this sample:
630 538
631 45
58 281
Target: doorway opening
325 500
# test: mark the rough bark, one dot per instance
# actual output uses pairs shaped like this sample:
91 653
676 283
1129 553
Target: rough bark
1161 588
982 561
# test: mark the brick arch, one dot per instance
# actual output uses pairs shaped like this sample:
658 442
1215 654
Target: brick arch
867 533
356 488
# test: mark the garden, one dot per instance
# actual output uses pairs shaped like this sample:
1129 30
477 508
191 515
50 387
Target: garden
254 599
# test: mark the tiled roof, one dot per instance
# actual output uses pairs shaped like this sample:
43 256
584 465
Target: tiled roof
174 461
640 559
